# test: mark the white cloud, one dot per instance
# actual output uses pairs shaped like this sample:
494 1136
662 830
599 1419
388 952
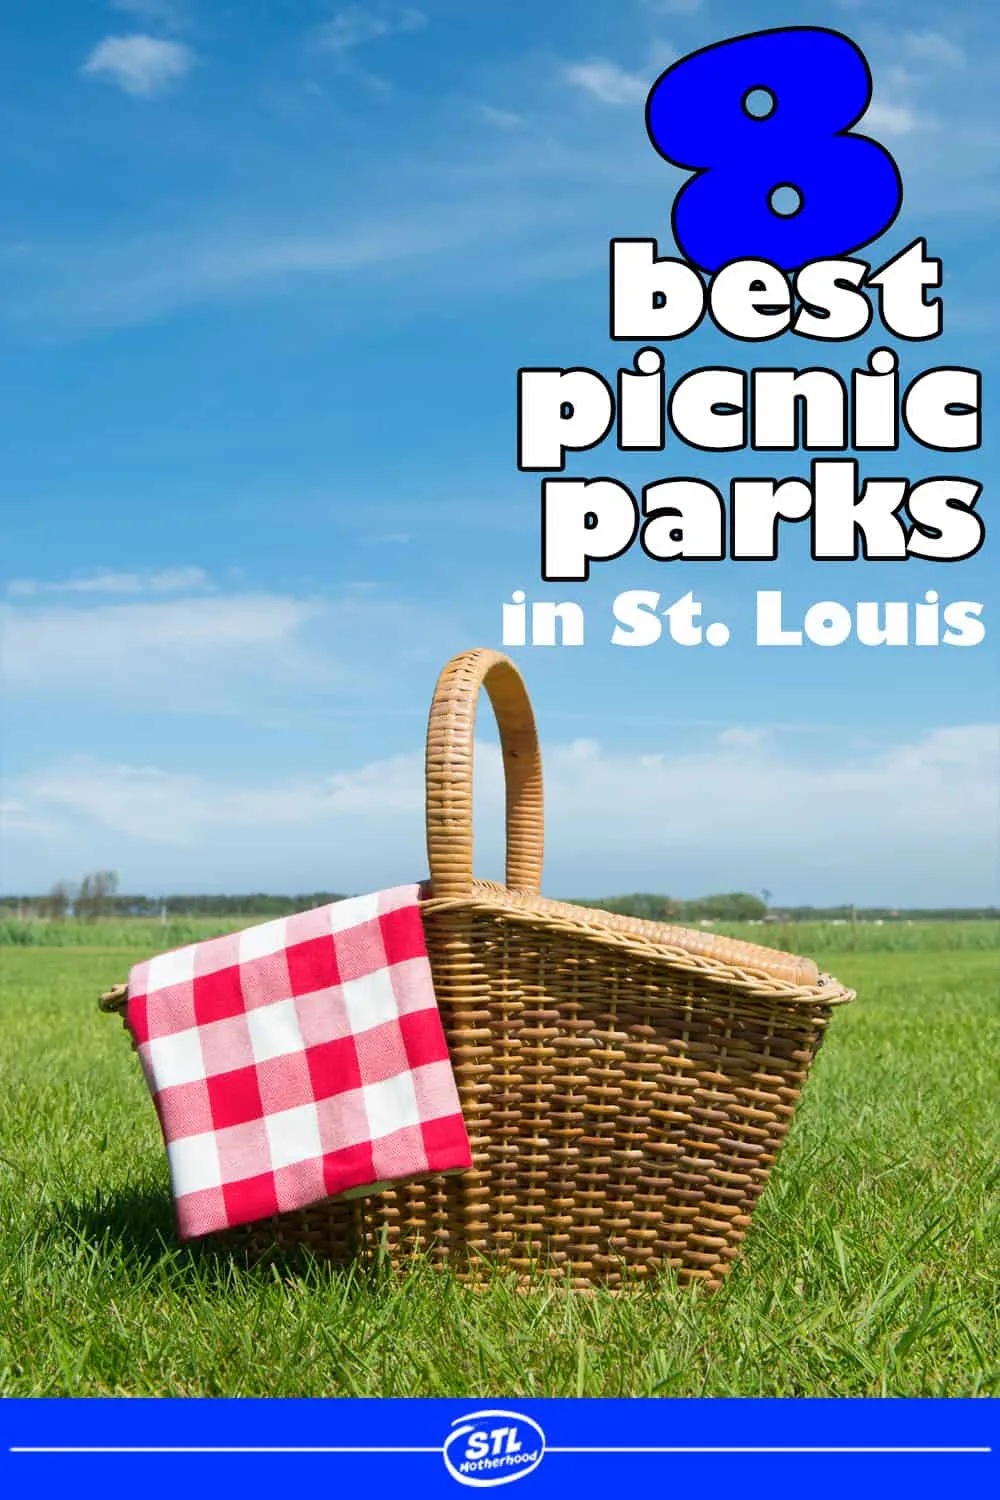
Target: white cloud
672 7
358 24
134 279
255 656
659 56
739 736
505 119
17 822
162 13
166 581
931 47
913 824
206 654
894 109
607 82
141 65
247 620
890 119
169 808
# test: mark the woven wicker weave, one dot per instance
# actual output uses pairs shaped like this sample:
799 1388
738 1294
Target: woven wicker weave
626 1085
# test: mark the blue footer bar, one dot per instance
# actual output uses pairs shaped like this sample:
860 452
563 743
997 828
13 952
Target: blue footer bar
438 1447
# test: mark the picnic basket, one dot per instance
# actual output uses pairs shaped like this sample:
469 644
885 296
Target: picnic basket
626 1084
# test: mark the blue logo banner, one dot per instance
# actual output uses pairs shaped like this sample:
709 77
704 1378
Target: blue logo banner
444 1447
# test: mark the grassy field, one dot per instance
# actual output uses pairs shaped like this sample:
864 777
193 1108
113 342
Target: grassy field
872 1267
817 938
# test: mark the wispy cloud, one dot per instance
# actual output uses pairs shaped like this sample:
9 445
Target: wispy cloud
215 655
135 279
246 655
901 86
842 832
672 7
17 822
885 118
169 808
353 29
163 13
166 581
143 66
896 108
932 48
933 94
358 24
607 82
504 119
142 278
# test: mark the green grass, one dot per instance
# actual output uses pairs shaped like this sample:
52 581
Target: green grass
872 1266
119 932
794 937
822 938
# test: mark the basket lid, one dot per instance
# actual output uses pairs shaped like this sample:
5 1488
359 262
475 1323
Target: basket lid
750 966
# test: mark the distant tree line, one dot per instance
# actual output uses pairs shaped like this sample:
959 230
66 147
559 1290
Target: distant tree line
737 906
260 904
889 914
740 906
97 896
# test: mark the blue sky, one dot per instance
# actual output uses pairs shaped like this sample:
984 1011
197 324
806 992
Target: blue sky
267 273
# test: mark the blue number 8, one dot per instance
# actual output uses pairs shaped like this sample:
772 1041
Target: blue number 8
810 85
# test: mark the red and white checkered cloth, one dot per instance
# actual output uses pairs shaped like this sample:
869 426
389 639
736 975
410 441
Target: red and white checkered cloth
297 1060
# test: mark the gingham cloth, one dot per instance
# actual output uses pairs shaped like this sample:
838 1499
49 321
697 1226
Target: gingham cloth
297 1061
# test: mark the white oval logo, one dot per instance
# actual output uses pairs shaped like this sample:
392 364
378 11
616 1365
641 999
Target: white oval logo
493 1447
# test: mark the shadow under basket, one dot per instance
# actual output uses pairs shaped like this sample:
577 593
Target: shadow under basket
626 1085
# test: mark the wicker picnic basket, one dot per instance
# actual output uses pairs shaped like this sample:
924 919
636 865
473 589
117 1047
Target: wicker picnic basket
626 1085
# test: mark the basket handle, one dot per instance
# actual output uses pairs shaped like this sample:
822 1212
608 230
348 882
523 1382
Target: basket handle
448 768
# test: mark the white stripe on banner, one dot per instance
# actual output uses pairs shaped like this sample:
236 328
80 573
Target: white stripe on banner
758 1449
